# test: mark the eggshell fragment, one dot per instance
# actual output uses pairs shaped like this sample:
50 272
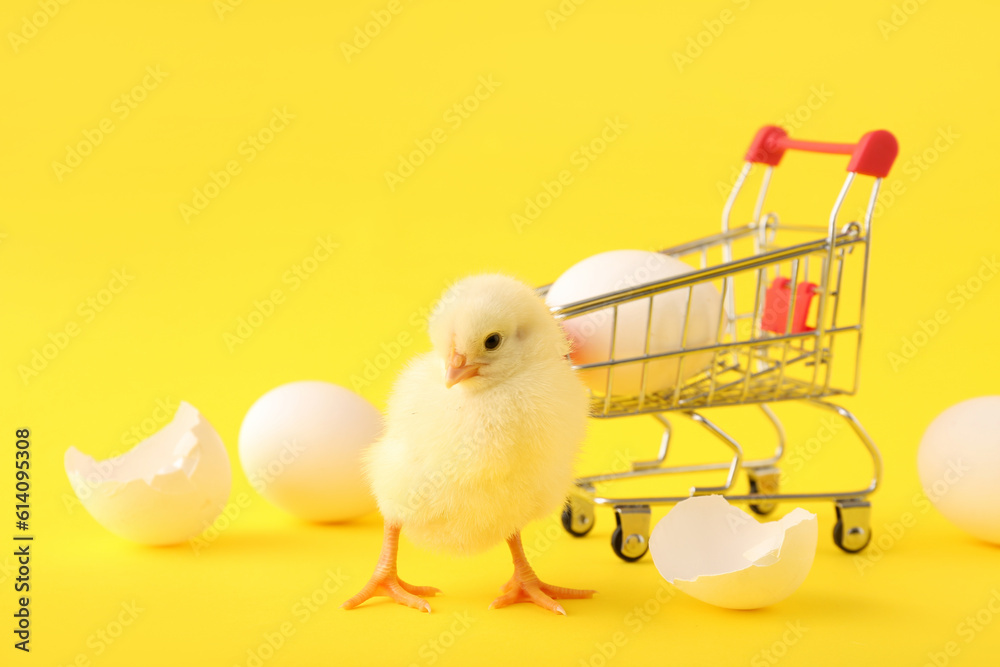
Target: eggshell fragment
721 555
165 490
590 334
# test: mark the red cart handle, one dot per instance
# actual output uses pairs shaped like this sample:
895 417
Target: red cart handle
873 155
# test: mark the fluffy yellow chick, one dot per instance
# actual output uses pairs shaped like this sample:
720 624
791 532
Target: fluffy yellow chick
480 438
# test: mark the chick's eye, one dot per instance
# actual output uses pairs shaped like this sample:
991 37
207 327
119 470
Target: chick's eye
492 341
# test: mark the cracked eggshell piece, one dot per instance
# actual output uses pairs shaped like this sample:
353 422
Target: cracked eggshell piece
165 490
721 555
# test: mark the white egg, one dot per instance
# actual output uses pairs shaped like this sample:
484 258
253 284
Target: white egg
591 333
959 465
165 490
300 446
721 555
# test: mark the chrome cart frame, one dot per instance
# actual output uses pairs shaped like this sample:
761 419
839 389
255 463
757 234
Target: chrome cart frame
771 276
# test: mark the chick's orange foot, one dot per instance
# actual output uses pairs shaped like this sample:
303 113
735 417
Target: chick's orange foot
391 586
386 582
542 594
525 586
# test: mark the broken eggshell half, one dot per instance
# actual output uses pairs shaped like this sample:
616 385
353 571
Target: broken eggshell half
721 555
165 490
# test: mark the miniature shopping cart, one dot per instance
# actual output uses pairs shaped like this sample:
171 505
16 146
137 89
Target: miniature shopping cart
773 278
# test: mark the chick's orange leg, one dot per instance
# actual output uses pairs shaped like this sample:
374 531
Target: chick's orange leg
525 586
386 582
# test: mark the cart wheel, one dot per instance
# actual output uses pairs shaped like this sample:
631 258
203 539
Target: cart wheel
763 509
630 540
766 481
578 516
852 532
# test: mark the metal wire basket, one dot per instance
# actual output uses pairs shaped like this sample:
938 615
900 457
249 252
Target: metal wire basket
773 278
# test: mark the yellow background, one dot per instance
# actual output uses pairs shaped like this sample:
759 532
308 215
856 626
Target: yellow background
163 337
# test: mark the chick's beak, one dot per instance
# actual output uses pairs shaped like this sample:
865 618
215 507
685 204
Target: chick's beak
458 370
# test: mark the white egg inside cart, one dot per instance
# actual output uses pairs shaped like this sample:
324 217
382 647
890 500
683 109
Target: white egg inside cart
662 317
